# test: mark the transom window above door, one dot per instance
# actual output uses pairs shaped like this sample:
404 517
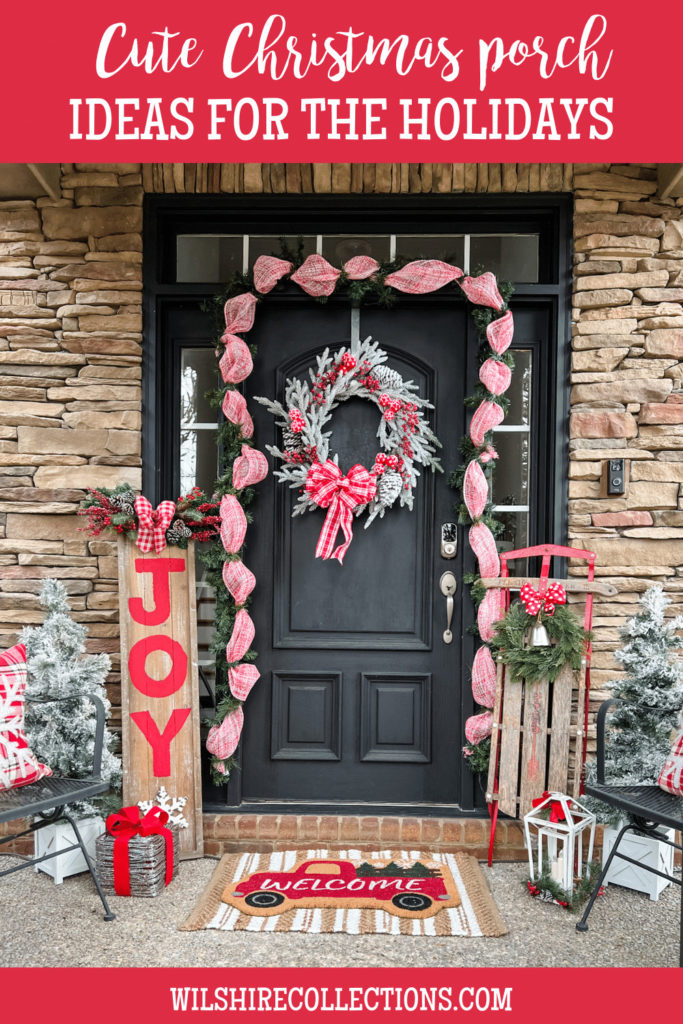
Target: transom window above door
213 258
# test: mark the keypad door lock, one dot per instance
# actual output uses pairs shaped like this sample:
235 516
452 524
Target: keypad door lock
449 540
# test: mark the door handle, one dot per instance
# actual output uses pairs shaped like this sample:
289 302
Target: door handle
448 586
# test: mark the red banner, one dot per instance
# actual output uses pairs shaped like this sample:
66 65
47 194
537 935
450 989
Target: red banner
359 82
509 995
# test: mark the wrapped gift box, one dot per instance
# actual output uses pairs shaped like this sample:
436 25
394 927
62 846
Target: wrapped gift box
147 855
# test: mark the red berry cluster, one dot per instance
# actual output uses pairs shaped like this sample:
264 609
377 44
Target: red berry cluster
297 421
348 363
366 379
390 405
383 461
304 458
192 495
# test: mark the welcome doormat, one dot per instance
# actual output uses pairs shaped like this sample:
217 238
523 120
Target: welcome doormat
389 892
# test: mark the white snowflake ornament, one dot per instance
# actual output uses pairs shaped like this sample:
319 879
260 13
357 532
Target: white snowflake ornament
173 805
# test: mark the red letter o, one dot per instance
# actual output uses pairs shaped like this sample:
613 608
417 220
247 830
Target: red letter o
137 659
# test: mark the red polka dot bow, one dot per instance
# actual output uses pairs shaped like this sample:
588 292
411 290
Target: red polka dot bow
533 601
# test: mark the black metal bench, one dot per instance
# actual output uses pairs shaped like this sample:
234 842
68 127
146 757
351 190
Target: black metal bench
48 799
648 808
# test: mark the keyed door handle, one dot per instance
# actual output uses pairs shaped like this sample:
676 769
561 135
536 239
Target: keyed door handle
448 585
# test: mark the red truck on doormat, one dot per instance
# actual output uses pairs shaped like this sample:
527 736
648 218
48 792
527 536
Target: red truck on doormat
414 890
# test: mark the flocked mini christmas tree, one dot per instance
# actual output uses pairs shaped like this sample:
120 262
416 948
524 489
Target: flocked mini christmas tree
650 693
62 733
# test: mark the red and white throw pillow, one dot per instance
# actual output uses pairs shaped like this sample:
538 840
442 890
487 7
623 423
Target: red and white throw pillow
18 765
671 775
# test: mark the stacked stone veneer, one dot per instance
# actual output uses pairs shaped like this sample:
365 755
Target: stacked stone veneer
70 367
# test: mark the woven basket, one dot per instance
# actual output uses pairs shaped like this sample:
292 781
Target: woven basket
147 863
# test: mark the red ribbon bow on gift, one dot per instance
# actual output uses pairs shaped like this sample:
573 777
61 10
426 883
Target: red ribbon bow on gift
126 824
153 523
533 601
556 809
326 486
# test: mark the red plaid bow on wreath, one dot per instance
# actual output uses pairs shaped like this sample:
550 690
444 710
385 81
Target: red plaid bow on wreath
153 524
534 601
326 486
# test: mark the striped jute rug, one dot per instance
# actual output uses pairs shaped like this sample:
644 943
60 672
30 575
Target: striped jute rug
251 892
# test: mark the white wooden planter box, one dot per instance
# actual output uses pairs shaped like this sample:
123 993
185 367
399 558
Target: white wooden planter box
646 851
60 837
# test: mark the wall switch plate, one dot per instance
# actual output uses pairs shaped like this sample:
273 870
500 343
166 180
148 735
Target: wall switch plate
616 476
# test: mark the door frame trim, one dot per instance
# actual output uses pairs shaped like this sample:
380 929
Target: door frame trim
550 213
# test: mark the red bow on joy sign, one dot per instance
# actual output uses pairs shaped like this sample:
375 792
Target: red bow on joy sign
153 524
556 809
533 601
326 486
128 823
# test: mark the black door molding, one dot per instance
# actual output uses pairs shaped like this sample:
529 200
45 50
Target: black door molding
549 215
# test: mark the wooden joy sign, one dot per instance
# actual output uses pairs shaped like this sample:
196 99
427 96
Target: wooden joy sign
160 692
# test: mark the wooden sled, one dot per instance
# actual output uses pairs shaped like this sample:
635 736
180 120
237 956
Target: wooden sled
532 722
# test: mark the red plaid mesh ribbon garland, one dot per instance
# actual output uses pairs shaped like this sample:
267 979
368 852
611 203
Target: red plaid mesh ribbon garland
241 638
483 543
233 527
484 677
499 333
475 489
153 524
236 363
267 272
249 468
358 268
326 486
235 409
239 313
241 679
479 727
495 376
239 580
487 416
423 276
223 739
482 290
319 278
316 276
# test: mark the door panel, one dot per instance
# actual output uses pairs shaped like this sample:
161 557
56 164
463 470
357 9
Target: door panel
359 696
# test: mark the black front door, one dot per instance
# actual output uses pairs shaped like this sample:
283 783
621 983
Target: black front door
359 697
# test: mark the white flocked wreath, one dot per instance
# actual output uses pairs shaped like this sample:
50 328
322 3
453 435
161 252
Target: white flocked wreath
405 439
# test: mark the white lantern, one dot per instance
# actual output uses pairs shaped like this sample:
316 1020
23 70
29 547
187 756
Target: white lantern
559 843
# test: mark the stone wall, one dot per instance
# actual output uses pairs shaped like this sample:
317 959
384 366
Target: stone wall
70 358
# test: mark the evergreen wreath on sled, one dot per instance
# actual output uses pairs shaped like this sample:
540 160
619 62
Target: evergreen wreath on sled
567 644
404 437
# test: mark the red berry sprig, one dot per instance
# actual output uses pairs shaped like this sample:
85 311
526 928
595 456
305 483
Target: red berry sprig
296 421
348 363
384 461
390 405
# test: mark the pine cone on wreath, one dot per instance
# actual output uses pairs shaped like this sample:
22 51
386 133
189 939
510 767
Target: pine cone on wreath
389 379
293 442
389 487
177 531
125 502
